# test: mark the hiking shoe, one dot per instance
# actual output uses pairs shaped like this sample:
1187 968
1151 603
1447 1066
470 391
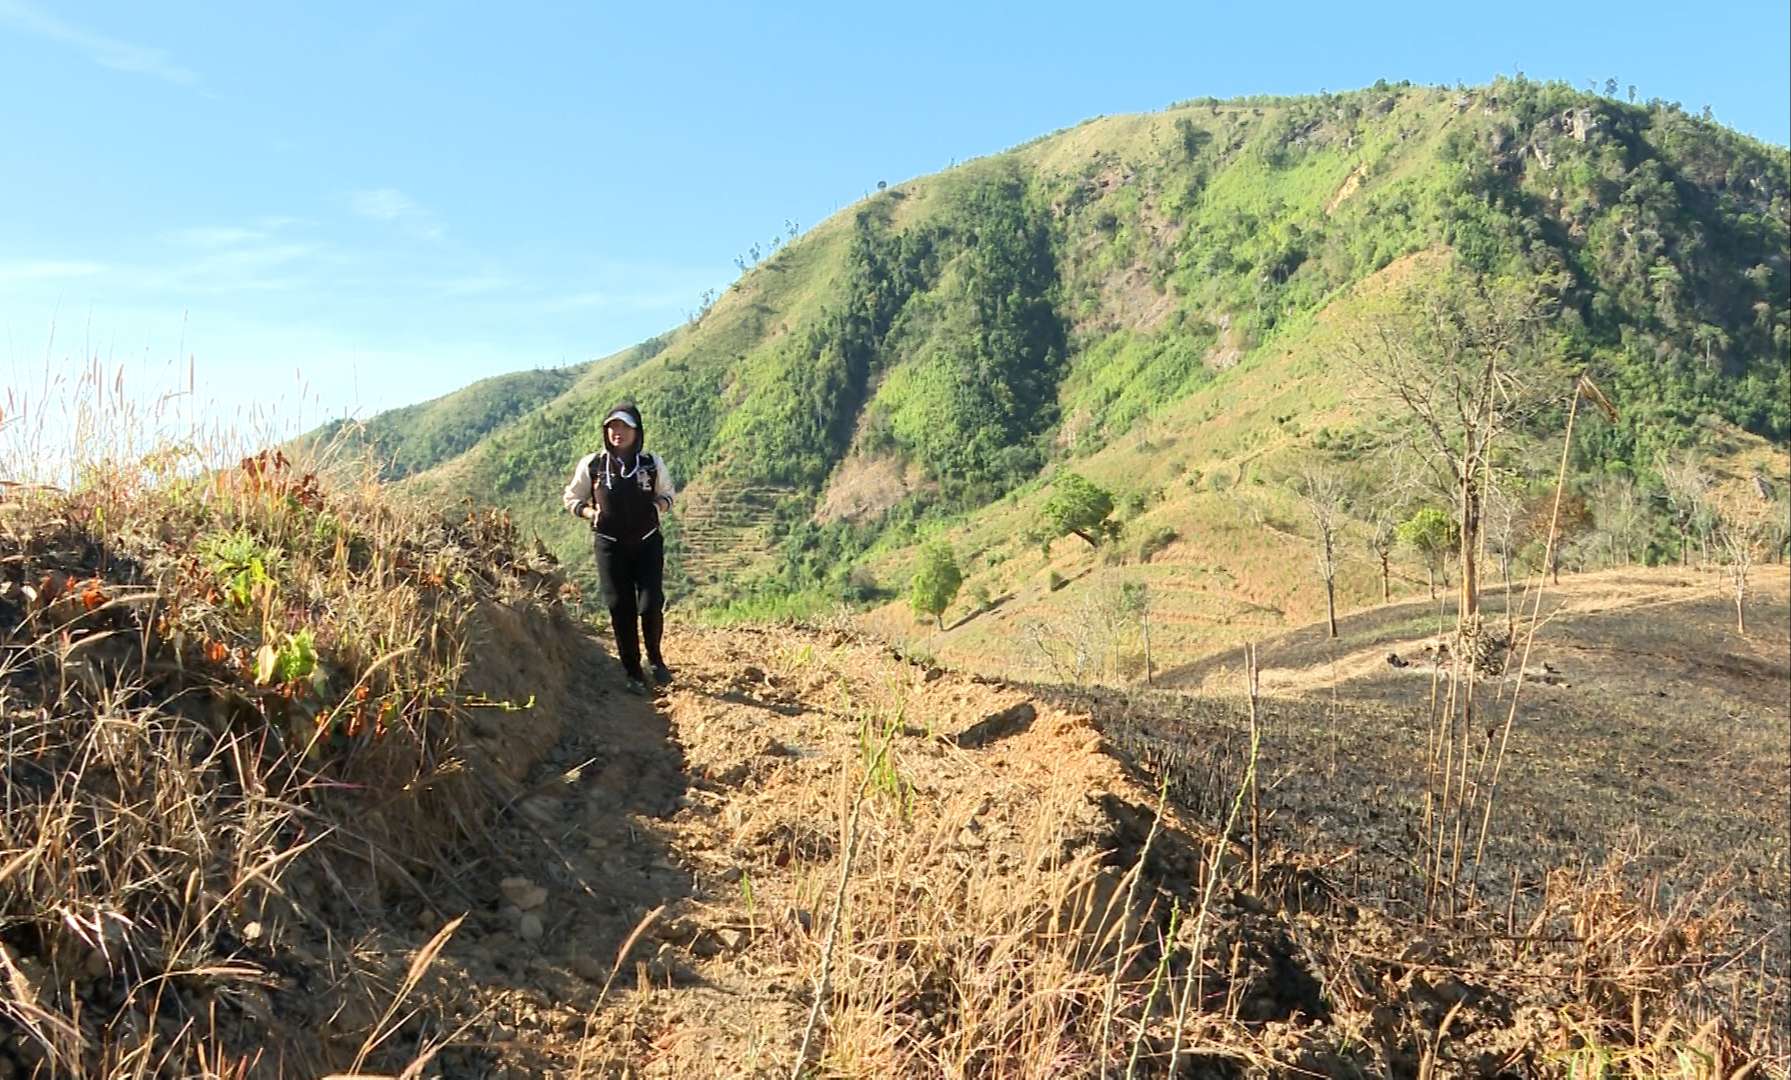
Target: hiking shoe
634 684
662 674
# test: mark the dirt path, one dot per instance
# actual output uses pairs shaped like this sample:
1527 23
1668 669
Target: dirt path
691 845
709 817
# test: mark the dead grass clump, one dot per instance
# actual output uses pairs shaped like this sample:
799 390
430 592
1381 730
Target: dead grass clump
231 704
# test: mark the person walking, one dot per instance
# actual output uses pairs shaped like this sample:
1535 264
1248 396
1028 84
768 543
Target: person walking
622 490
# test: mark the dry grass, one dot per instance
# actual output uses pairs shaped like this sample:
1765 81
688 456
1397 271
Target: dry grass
215 681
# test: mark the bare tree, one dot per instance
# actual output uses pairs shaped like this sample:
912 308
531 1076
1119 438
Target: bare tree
1383 534
1468 362
1620 515
1572 520
1381 495
1739 541
1688 497
1325 497
1504 518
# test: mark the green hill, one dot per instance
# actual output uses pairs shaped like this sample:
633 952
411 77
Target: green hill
409 440
1159 296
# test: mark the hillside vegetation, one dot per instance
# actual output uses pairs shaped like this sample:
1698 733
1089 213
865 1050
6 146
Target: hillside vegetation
1178 279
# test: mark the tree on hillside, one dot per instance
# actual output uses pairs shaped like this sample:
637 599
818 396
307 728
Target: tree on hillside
1325 497
1504 527
1467 361
1572 521
1431 533
1382 496
1739 537
936 581
1079 507
1621 515
1688 499
1383 533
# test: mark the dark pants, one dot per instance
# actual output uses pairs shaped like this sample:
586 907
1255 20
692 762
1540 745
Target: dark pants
633 577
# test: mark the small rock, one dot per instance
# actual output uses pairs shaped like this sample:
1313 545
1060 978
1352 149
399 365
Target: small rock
731 875
252 932
663 964
678 931
706 945
730 939
529 927
525 894
588 968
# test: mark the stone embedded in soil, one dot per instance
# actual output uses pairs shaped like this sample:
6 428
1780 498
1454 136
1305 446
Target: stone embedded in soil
730 939
707 945
588 968
679 931
523 893
529 927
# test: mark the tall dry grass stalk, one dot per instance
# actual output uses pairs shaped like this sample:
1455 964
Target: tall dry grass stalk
1215 865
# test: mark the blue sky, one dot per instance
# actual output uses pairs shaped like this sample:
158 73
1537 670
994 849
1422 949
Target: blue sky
339 208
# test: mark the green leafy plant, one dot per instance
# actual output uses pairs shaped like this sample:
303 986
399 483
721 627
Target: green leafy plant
1431 533
294 660
936 582
241 565
1078 507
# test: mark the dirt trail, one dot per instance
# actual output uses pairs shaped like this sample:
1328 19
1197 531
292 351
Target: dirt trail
697 836
716 805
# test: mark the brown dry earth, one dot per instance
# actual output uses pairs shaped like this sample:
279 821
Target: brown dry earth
1645 725
656 898
710 818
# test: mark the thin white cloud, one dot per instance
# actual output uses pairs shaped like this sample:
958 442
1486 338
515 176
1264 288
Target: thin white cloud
26 271
394 207
105 51
215 236
248 267
383 204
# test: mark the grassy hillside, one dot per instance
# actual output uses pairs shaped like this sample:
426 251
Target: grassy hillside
417 437
1169 280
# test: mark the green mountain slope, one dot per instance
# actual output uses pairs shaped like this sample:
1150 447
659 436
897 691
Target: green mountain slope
943 343
417 437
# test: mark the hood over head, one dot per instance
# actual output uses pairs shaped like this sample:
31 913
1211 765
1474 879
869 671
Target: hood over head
626 412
